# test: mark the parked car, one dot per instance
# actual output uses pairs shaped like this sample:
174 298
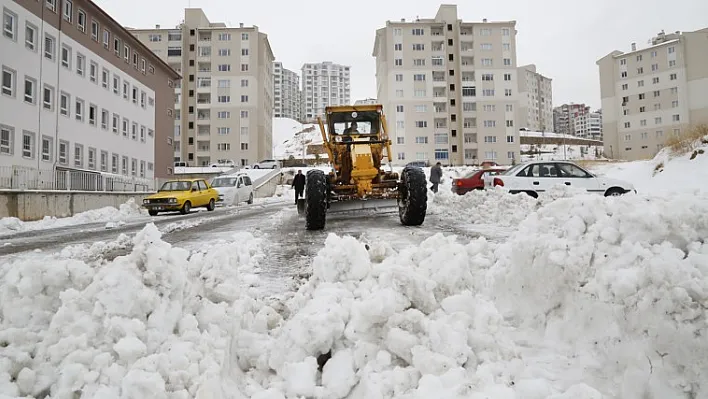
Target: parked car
488 164
266 164
181 195
233 189
478 180
538 176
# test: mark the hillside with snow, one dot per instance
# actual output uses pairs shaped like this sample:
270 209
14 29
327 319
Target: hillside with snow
666 173
291 138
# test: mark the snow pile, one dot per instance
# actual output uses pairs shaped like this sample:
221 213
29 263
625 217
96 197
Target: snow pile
592 297
142 325
482 207
289 137
110 215
665 173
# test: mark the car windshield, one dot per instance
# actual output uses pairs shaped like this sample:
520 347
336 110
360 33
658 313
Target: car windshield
176 186
224 182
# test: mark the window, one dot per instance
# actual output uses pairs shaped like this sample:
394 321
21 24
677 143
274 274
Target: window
675 118
78 155
655 80
244 82
143 98
143 66
126 89
7 138
126 53
142 133
642 109
106 39
421 140
509 123
9 77
223 99
418 32
124 129
224 36
640 83
421 124
104 161
114 163
419 77
47 149
48 98
80 64
441 154
490 123
244 99
66 56
507 61
94 30
93 110
64 152
134 131
9 24
485 32
509 108
92 158
116 84
421 108
81 21
224 67
672 76
135 60
671 50
135 95
642 96
79 104
93 72
104 119
30 90
64 100
640 71
28 144
114 123
400 140
399 93
487 62
507 77
104 78
116 46
674 104
223 115
509 139
30 37
657 120
627 125
49 47
223 130
507 92
486 46
68 10
223 147
625 86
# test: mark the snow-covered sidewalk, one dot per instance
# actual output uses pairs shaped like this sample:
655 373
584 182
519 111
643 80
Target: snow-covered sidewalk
589 297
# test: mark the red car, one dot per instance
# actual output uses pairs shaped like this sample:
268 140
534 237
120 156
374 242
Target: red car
474 181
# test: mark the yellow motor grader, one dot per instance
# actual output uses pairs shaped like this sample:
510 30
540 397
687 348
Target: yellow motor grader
356 141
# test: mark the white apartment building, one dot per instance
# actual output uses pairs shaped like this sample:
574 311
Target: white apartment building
536 100
565 116
449 89
588 125
225 103
366 101
651 93
287 98
79 93
324 84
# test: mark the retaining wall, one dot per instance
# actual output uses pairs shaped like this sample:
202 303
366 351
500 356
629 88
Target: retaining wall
35 205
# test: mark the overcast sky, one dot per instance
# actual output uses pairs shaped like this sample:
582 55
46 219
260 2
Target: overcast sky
563 38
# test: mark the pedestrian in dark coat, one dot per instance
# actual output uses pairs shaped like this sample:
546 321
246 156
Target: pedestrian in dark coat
436 176
299 185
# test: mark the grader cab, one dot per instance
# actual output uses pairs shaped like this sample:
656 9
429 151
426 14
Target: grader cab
356 141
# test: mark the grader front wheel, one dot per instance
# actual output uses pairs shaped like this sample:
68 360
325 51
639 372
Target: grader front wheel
315 200
412 197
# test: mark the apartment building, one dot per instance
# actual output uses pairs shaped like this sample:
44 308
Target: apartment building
225 103
366 101
536 100
80 93
287 97
564 117
449 89
324 84
651 93
588 125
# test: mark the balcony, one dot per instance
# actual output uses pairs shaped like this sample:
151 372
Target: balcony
203 99
203 115
203 130
466 46
437 32
439 93
202 146
203 85
468 77
466 31
467 61
438 46
204 51
441 108
204 36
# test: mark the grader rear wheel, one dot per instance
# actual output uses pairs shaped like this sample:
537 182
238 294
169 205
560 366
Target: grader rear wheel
315 200
412 197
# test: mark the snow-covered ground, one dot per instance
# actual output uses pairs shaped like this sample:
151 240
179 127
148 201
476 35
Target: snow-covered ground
291 137
109 215
553 152
581 296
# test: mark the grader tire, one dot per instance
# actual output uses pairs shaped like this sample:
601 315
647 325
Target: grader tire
412 197
315 200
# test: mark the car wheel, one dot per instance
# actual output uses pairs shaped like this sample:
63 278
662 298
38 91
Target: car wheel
212 205
256 167
152 213
250 198
186 208
614 192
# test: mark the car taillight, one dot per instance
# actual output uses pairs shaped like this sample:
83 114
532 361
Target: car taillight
498 182
458 183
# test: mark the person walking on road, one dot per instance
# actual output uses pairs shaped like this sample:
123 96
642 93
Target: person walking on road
436 176
299 185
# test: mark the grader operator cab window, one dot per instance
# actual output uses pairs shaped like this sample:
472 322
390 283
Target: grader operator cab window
367 123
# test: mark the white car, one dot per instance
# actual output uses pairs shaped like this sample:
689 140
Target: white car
538 176
233 189
266 164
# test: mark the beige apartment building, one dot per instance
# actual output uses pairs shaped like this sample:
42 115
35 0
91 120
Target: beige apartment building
651 93
536 100
449 89
225 101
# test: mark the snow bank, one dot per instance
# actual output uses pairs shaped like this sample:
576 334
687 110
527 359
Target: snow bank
592 297
665 173
151 324
129 210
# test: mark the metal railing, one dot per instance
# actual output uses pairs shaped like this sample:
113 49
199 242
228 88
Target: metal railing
23 178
